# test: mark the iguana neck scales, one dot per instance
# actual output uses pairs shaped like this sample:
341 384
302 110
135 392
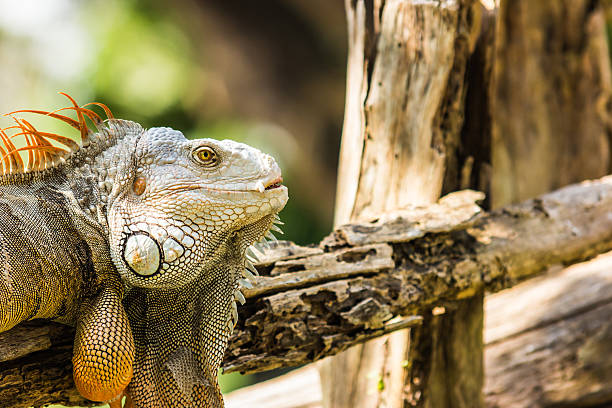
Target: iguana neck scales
139 238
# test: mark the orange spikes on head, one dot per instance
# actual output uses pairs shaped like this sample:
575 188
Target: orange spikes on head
82 125
30 152
13 156
7 163
107 111
66 141
51 150
93 116
70 121
43 157
41 152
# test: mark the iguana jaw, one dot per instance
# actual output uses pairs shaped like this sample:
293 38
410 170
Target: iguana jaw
259 187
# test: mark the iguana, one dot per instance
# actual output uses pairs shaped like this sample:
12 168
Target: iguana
138 237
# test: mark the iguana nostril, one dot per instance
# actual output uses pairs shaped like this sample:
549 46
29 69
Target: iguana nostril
142 254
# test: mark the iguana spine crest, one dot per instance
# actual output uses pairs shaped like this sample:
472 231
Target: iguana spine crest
42 154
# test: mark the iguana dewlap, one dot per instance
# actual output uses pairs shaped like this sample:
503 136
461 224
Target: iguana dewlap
139 238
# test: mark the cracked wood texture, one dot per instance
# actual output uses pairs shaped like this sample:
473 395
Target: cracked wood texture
544 343
549 340
387 274
559 52
436 262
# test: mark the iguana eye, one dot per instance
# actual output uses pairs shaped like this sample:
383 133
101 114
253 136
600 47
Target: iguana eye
206 156
139 186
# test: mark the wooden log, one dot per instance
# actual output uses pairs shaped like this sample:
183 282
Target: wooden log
547 340
492 252
301 388
436 264
36 366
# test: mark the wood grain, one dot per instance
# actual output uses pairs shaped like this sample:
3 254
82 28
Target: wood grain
551 82
401 139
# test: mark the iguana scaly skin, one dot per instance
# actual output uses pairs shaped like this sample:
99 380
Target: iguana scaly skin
139 238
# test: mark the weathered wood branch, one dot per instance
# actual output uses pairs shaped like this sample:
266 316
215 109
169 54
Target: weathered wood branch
362 281
36 366
547 341
407 265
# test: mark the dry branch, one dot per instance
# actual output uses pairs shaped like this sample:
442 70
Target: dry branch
545 339
362 281
549 340
407 265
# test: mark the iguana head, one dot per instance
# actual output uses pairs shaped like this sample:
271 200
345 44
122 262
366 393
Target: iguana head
175 203
171 204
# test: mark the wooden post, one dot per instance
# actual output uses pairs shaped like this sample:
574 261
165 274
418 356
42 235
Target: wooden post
551 97
550 115
403 121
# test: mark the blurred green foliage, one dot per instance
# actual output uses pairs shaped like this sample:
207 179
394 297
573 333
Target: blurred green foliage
146 71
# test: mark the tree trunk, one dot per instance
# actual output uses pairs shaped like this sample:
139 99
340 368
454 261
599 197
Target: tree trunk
404 143
551 83
551 97
402 130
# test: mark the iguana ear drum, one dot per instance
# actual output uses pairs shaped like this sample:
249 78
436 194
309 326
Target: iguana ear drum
142 254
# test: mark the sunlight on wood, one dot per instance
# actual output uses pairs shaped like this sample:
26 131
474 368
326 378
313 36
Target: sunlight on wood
489 4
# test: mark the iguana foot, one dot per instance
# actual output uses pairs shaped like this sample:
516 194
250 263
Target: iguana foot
103 349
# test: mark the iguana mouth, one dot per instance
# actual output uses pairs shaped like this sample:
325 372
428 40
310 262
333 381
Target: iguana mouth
276 183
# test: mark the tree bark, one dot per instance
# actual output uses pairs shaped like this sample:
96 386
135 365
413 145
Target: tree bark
386 276
551 83
546 340
549 340
36 366
402 130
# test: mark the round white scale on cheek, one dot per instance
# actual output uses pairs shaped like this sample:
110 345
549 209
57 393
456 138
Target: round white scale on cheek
142 254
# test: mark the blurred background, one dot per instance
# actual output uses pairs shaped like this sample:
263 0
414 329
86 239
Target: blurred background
270 74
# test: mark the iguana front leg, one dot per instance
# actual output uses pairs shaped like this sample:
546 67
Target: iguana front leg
103 349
